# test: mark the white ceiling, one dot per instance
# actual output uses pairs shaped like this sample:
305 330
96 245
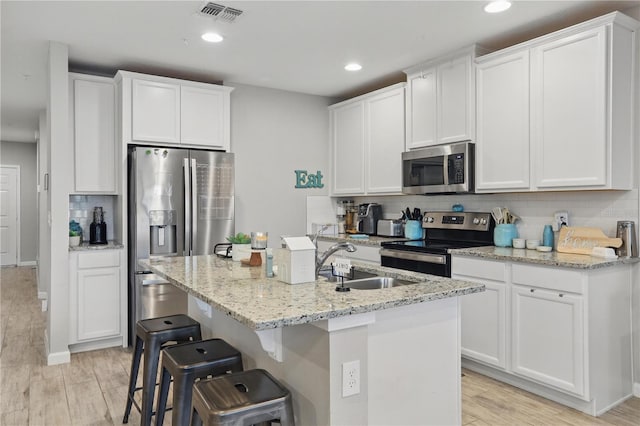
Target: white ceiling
299 46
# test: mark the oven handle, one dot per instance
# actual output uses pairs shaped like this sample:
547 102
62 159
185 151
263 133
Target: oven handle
420 257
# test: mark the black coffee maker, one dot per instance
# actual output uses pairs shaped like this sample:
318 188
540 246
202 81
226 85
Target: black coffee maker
98 228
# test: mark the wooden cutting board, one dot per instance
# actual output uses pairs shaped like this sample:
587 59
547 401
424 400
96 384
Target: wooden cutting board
581 240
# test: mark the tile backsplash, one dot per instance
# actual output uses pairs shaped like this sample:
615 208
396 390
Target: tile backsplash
81 210
601 209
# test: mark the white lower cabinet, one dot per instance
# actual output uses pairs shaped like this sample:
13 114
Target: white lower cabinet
558 332
98 299
547 337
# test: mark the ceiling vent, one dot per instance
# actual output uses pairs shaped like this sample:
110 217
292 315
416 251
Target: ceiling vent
218 11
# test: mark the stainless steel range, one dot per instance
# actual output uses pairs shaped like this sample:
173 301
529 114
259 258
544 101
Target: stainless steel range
444 231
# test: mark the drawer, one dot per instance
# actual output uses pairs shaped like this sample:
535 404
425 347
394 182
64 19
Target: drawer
99 259
478 268
545 277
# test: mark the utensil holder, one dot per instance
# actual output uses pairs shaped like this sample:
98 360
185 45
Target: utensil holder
504 233
413 230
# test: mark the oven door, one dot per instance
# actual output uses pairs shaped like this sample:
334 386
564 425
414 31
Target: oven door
426 263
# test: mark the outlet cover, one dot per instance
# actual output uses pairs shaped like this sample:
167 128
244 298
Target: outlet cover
350 378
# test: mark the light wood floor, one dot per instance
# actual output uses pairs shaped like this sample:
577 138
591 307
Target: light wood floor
91 390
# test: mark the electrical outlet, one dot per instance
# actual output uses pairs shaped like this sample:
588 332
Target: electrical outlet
350 378
560 219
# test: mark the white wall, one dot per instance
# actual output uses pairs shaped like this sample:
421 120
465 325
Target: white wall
24 155
57 333
44 235
273 133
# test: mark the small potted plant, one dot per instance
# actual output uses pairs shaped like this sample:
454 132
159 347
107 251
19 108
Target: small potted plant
74 238
240 246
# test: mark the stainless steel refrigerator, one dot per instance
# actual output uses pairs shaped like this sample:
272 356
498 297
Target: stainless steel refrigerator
181 203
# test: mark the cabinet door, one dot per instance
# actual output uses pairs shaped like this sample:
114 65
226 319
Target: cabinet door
548 338
385 142
348 148
502 143
94 136
202 113
98 303
484 325
455 101
155 112
421 110
569 111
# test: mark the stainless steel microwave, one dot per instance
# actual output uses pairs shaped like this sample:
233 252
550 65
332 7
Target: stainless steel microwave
439 169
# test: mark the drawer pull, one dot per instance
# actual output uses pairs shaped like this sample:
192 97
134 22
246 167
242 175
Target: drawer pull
532 290
561 295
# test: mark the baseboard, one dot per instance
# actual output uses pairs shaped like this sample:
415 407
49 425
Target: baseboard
28 263
55 358
636 390
97 344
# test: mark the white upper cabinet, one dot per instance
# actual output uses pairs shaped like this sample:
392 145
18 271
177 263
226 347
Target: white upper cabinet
385 142
441 100
579 130
155 112
174 112
569 92
502 138
92 122
347 132
202 116
367 141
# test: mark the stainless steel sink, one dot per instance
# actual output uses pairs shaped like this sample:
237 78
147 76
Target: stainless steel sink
357 275
376 283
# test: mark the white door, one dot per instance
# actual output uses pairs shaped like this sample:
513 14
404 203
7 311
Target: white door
502 144
385 142
348 149
202 117
9 206
155 112
454 101
421 109
569 101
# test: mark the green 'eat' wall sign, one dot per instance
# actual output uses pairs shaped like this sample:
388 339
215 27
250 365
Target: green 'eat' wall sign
308 180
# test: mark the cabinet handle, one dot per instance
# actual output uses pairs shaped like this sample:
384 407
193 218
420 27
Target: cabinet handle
561 295
532 290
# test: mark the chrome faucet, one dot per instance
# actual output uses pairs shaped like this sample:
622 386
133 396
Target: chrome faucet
321 258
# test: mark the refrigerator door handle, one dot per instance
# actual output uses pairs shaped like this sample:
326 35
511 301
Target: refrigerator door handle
194 206
187 207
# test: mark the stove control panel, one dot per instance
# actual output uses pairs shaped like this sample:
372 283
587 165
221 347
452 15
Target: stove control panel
457 220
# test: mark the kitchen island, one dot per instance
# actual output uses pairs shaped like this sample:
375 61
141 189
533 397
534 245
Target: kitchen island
403 342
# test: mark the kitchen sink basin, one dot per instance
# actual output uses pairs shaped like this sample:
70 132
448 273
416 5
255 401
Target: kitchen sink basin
357 275
376 283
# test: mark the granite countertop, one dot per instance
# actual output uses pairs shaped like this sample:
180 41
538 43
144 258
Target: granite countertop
373 240
566 260
111 245
261 303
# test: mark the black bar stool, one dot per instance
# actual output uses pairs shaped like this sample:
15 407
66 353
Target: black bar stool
186 363
151 334
246 398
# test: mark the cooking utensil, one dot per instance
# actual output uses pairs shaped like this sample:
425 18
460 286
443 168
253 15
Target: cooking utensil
496 212
416 213
408 213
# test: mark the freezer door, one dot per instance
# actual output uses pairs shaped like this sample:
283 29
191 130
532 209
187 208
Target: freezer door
212 200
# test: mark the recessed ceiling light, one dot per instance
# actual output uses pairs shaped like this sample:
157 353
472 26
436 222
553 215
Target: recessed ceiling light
353 67
497 6
212 37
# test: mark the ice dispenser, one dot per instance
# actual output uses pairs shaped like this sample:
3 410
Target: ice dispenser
162 229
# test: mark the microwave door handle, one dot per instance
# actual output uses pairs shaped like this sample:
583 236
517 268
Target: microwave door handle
187 208
445 169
